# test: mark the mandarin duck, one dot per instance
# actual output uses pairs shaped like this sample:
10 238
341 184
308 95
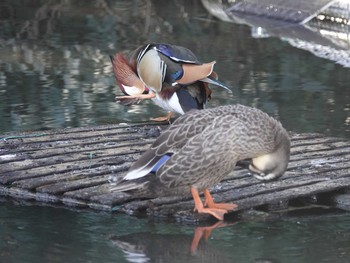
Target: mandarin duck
170 75
203 146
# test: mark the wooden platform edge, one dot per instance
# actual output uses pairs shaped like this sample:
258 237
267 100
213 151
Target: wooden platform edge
74 168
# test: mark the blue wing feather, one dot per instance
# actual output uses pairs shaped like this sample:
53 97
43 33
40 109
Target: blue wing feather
162 161
177 53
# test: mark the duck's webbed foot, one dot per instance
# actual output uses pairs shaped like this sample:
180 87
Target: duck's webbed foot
211 204
199 207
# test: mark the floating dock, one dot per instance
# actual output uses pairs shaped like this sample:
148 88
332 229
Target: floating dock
75 168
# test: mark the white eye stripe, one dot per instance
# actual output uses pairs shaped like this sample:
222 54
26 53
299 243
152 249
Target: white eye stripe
163 67
142 53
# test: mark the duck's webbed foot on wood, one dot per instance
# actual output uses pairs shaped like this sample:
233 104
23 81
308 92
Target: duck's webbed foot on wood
211 204
199 207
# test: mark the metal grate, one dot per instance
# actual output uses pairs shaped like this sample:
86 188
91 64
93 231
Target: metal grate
292 11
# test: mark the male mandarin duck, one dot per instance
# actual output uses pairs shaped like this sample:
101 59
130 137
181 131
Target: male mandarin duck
203 146
170 75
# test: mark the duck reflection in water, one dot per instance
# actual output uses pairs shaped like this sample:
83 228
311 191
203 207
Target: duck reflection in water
154 247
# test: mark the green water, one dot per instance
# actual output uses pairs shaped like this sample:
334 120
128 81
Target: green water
45 234
55 72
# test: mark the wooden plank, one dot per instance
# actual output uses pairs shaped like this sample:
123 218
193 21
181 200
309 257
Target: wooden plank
236 192
38 156
75 167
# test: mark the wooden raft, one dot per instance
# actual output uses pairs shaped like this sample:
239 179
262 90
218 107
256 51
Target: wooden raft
75 167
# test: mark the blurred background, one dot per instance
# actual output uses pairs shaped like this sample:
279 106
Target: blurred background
55 70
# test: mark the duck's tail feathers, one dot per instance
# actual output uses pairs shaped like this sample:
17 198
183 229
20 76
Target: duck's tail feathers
147 163
216 82
126 186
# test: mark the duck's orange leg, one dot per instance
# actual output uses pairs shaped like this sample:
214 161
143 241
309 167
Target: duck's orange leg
167 117
205 231
199 207
211 204
198 234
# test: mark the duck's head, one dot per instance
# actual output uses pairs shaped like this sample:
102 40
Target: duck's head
273 165
126 77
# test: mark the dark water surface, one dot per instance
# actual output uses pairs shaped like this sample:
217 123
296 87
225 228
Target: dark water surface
55 72
55 69
45 234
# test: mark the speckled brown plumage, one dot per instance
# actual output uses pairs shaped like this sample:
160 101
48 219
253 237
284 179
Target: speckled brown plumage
205 147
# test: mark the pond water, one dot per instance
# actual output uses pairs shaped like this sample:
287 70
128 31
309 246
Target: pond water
55 72
46 234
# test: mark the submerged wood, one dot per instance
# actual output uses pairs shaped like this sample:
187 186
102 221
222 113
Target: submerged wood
75 168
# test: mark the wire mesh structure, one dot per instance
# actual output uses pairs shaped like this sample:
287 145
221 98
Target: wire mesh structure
296 11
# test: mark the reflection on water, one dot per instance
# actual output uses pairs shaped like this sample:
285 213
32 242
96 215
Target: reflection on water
45 234
55 68
150 247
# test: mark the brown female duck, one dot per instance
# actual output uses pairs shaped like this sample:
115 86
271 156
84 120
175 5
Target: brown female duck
201 147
